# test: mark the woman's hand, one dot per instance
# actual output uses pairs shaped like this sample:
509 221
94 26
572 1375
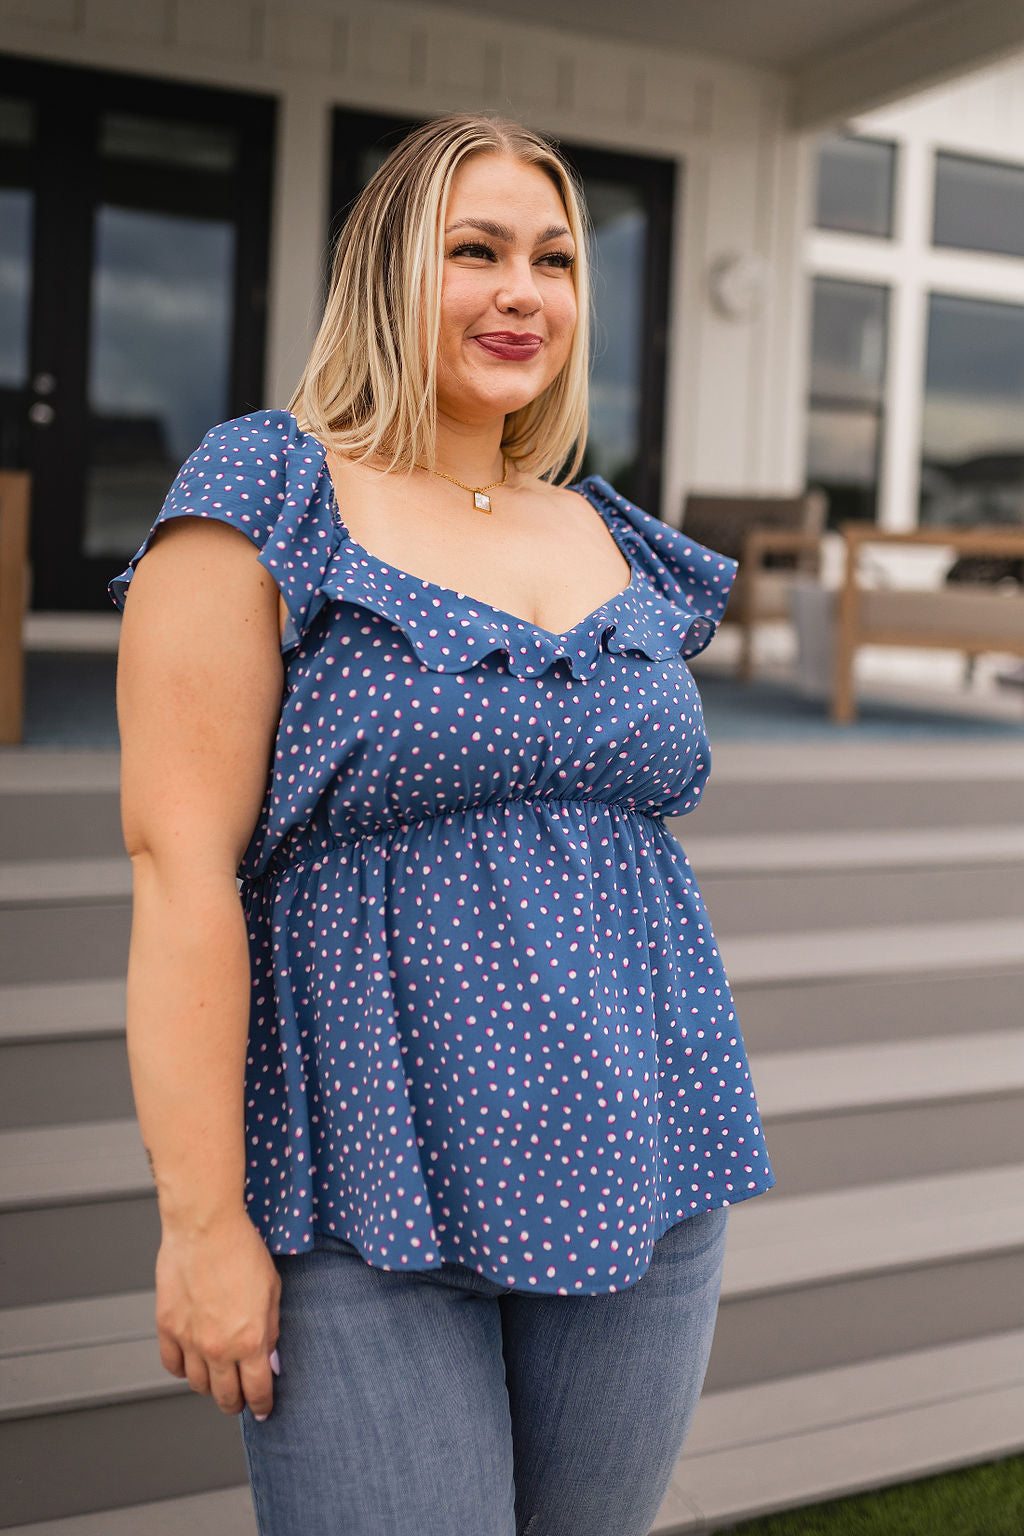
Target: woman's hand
217 1294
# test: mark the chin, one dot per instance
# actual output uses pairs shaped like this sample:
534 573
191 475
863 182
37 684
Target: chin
506 401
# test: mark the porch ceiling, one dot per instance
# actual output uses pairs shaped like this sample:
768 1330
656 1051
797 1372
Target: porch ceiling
842 57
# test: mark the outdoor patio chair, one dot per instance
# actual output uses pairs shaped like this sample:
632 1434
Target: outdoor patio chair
773 538
969 616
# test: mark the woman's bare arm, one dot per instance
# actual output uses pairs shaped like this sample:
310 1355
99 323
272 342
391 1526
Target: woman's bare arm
199 699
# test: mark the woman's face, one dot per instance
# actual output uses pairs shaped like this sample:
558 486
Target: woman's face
508 305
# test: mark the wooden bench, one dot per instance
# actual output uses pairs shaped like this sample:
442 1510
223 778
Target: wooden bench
14 583
973 617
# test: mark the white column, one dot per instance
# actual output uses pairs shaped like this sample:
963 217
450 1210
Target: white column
900 470
298 238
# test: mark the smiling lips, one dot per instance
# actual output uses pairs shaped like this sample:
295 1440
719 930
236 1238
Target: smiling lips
516 346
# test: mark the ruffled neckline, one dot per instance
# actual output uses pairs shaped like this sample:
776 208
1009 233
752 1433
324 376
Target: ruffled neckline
450 631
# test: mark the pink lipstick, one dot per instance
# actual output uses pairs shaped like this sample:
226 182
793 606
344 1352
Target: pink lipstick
515 346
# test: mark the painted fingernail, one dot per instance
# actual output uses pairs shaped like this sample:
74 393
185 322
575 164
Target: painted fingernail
261 1418
275 1363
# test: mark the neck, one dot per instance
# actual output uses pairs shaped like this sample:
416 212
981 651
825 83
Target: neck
472 453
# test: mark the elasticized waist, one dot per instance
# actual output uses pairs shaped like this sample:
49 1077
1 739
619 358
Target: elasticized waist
299 856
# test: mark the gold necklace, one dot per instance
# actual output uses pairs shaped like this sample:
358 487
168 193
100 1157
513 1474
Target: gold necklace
481 501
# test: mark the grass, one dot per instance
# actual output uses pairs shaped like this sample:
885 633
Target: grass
985 1500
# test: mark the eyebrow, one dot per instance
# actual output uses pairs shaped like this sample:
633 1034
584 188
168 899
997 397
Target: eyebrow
502 231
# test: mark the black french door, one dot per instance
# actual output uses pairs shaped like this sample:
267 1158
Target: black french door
630 199
134 220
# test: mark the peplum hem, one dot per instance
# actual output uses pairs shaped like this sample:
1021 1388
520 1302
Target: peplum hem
371 1124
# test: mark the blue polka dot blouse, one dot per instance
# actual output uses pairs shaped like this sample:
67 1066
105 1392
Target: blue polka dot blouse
490 1024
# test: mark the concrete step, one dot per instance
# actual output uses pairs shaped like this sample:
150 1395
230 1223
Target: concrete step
77 939
73 825
799 786
801 805
40 1328
89 1418
61 1010
895 950
228 1512
835 1010
826 1434
894 848
840 1116
62 1053
59 1165
844 760
60 805
813 880
836 1278
78 1214
811 900
64 1083
57 882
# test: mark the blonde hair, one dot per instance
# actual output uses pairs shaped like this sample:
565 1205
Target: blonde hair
370 383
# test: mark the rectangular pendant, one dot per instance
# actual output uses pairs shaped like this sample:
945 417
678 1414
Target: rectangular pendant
481 502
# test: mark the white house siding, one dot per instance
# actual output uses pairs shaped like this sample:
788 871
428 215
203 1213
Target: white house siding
735 389
981 114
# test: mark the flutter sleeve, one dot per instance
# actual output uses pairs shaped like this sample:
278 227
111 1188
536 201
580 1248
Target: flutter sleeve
694 580
261 475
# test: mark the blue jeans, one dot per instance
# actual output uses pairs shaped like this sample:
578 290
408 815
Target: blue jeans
440 1403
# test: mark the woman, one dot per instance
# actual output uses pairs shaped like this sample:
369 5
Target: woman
464 1034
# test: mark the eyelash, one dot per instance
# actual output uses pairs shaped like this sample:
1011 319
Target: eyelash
475 247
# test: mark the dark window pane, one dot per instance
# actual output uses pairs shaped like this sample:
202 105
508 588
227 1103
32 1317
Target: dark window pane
979 205
842 457
619 253
162 302
848 338
848 346
855 184
371 159
16 206
972 453
17 120
842 447
167 141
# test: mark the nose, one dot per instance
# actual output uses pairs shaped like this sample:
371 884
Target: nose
518 293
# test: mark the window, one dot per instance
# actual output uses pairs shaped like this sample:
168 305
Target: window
855 185
166 141
134 238
16 218
972 454
17 120
848 346
979 205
